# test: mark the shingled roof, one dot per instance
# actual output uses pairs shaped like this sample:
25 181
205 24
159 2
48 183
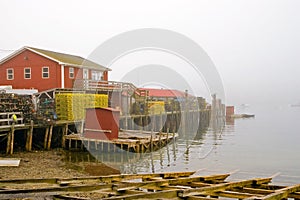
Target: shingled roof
61 58
166 93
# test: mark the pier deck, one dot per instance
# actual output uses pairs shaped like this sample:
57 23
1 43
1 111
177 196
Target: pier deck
129 140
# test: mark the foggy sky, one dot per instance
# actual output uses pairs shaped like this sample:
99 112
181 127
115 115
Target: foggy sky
254 44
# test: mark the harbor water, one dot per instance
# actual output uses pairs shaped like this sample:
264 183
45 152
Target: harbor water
263 146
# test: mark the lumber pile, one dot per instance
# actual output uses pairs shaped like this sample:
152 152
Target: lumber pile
167 185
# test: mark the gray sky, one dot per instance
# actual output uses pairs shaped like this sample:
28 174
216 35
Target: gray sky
254 44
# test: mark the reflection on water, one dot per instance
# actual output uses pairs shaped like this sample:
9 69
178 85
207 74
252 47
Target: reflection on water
267 145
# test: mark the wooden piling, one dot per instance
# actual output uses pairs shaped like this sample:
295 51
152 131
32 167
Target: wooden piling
10 140
161 121
46 137
151 141
49 138
29 137
64 133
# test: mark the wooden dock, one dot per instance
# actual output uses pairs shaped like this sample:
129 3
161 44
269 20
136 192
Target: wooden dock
129 140
167 185
68 134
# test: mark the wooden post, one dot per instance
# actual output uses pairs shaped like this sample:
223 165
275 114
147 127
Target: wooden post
29 137
10 140
63 139
46 137
70 143
159 139
161 122
126 122
151 141
141 123
168 134
50 137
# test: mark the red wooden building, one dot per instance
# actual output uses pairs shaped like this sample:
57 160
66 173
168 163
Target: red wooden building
102 123
41 69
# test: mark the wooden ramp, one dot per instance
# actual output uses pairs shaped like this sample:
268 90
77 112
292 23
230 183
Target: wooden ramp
172 185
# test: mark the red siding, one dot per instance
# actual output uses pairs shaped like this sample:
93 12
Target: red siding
229 111
29 59
35 62
69 81
102 119
105 75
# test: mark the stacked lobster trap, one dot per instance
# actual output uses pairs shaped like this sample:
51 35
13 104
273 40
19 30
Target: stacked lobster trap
71 106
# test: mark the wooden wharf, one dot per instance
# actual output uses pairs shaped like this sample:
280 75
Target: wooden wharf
129 140
166 185
69 134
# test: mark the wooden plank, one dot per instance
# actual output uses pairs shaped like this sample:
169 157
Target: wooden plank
12 162
148 195
162 182
199 198
232 194
98 130
295 195
257 191
221 187
14 193
123 177
282 193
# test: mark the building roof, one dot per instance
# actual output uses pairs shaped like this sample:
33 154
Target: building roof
61 58
167 93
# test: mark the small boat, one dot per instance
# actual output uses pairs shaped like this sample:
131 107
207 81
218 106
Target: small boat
295 105
242 115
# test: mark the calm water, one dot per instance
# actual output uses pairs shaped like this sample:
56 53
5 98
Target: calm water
267 145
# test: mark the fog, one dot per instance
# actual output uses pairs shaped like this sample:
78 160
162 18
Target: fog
254 44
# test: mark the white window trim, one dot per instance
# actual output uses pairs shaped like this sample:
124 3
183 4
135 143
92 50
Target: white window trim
97 75
85 71
26 73
45 72
13 76
71 71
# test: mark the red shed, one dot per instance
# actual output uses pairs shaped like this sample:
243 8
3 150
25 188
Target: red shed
229 111
102 123
42 69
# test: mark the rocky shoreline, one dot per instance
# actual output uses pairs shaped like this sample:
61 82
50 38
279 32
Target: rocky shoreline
51 164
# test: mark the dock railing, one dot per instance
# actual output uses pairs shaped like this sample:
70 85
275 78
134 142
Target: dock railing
6 119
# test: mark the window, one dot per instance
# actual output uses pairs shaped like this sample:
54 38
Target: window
45 72
10 74
71 72
97 76
85 74
27 73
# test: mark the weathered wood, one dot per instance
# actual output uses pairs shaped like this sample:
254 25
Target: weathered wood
64 133
49 137
282 193
172 185
221 187
10 140
232 194
149 195
98 130
29 137
46 137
